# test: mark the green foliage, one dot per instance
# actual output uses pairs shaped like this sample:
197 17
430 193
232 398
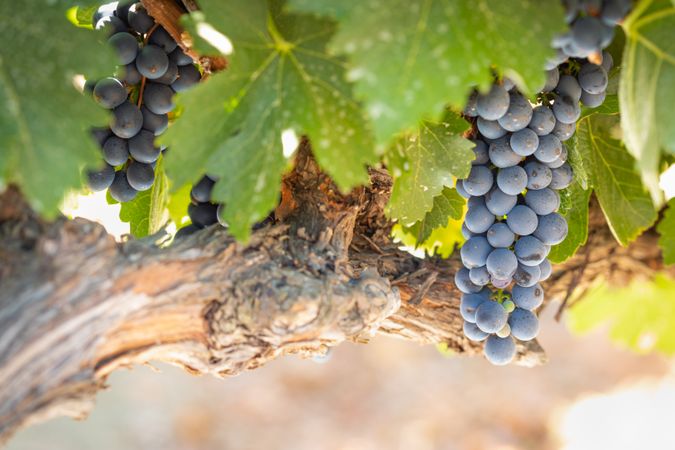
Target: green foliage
44 121
646 92
279 78
640 316
423 163
447 206
179 200
610 170
666 228
147 213
574 207
410 58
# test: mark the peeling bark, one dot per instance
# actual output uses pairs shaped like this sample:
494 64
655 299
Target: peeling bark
75 305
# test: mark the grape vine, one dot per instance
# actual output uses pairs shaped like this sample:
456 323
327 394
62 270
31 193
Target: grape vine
520 164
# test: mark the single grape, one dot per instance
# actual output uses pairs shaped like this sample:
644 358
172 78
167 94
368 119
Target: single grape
475 251
142 147
140 176
490 128
564 131
527 276
522 220
529 298
499 351
530 251
538 175
459 187
109 93
546 270
158 98
494 104
179 57
186 231
524 324
502 263
566 109
561 177
593 78
542 201
473 333
543 121
587 33
125 45
120 189
560 160
525 142
155 123
203 214
464 283
593 100
126 120
499 235
499 203
518 114
110 25
470 302
99 180
170 75
481 152
479 276
201 192
115 151
512 180
130 74
569 86
122 10
613 11
152 62
549 149
188 76
552 229
501 154
139 19
552 78
479 181
161 38
491 316
607 61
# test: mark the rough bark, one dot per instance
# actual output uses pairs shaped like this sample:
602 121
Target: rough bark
75 305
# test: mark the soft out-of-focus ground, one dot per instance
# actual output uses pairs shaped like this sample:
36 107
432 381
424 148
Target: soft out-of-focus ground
389 394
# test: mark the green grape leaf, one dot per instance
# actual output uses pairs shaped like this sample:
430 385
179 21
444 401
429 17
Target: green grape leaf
410 58
666 228
640 316
423 163
623 199
646 93
447 206
574 208
280 84
179 200
44 120
147 213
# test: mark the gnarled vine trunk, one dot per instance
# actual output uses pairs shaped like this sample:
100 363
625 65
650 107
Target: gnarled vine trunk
75 304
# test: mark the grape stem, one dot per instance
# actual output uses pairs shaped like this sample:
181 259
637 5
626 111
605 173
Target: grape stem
143 79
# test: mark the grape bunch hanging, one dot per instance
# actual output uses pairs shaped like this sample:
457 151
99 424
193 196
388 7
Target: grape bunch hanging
152 68
512 190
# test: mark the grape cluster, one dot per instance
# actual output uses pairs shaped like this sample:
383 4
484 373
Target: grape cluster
153 67
202 211
592 25
512 219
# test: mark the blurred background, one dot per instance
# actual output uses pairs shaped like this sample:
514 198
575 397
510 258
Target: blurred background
594 393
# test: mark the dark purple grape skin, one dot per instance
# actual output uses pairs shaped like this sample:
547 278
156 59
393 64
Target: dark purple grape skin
99 180
152 62
179 57
158 98
140 176
125 45
203 214
161 38
201 192
115 151
142 147
188 76
155 123
120 189
169 76
109 93
139 19
127 120
186 231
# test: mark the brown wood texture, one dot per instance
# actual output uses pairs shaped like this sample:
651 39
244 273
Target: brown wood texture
75 304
